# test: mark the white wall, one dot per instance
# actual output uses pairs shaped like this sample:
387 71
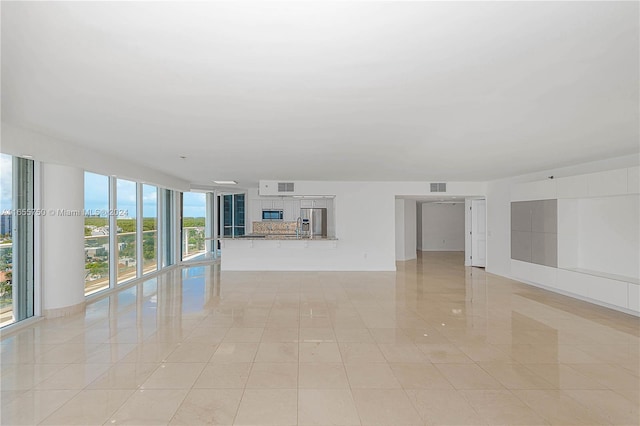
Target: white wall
399 227
608 229
410 244
62 239
443 227
579 182
419 225
405 228
365 222
18 141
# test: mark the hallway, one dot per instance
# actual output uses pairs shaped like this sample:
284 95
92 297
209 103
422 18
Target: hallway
433 343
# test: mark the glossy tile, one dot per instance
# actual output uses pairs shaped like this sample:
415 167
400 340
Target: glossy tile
433 343
208 407
268 407
326 407
323 376
277 375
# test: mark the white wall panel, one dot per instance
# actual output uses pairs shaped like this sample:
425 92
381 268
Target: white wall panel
572 187
633 180
634 297
612 182
538 190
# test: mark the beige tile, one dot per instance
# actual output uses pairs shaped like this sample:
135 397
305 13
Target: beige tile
515 376
150 352
322 376
501 407
223 376
34 406
268 407
371 376
385 407
317 335
277 352
614 377
235 352
174 376
468 376
419 376
354 352
280 334
402 352
557 408
149 407
279 375
360 335
562 376
192 352
566 362
26 376
208 407
607 404
206 334
326 407
444 407
390 335
248 334
444 353
89 407
319 352
73 376
124 376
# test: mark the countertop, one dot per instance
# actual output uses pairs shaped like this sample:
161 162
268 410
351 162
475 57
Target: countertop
279 237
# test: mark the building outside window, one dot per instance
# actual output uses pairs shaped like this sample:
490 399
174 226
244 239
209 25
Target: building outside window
96 232
194 212
126 229
149 228
16 239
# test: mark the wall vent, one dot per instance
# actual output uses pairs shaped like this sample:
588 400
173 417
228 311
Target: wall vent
438 187
285 187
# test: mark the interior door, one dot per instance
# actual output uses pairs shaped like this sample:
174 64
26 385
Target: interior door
478 233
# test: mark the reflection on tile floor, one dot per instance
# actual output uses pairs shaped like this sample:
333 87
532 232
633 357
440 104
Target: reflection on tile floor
434 343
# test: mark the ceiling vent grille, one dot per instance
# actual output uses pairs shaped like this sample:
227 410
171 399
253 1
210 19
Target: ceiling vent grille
285 187
438 187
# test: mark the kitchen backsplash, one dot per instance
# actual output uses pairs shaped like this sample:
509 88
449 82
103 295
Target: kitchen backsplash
267 228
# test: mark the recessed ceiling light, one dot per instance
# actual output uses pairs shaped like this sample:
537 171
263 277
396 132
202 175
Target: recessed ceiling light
184 157
225 182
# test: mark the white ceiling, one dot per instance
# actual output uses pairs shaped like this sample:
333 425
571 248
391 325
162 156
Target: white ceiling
328 91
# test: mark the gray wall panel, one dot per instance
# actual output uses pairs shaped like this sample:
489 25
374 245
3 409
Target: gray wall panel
521 246
534 232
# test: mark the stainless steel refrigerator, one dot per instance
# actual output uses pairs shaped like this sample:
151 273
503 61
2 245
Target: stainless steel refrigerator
314 222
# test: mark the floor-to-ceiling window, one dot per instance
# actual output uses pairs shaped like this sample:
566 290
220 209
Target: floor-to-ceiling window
96 232
149 228
16 239
126 229
194 212
233 215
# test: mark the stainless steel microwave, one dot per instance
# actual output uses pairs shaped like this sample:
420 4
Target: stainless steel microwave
272 215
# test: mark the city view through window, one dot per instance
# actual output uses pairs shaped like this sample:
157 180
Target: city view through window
6 246
97 231
194 211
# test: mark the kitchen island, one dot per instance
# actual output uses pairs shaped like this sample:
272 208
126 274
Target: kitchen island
277 253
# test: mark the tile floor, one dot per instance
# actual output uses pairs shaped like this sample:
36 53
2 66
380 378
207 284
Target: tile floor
432 344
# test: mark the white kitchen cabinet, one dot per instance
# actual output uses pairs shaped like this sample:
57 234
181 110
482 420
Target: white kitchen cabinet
291 210
255 211
308 203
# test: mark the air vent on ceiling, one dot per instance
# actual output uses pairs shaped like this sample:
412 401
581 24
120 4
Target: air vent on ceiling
438 187
285 186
